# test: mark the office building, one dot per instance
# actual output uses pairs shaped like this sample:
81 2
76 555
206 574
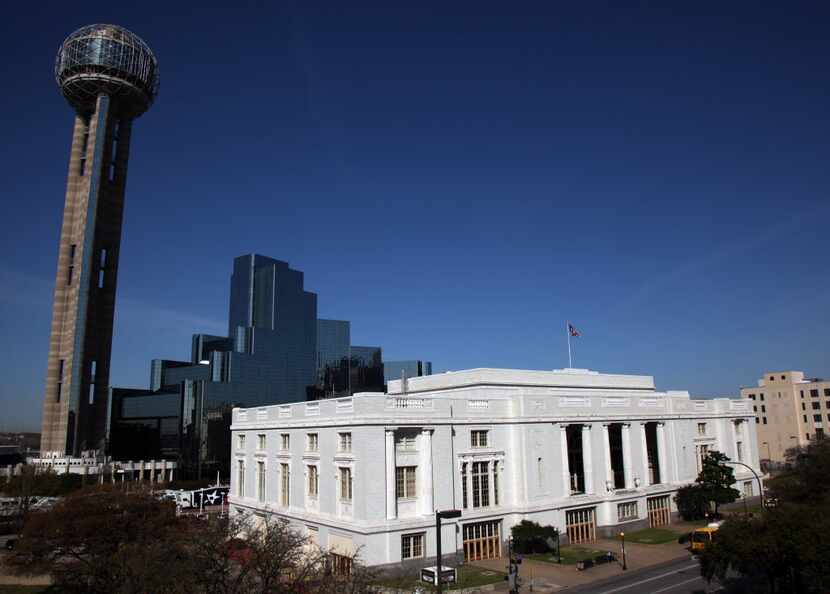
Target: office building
393 370
268 357
344 369
790 410
109 77
587 452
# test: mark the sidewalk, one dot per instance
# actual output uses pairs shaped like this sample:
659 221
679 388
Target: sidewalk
550 577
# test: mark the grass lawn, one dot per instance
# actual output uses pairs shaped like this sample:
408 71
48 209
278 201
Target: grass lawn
570 555
652 536
468 577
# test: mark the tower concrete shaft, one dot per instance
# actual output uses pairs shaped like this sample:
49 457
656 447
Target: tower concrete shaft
75 406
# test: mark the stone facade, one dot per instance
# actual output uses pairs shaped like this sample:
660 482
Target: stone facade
583 451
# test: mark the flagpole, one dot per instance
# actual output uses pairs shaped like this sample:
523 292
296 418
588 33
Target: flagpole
568 334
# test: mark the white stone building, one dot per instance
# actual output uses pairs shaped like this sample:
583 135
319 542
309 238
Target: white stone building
587 452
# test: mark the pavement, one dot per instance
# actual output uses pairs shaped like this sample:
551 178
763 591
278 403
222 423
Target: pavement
551 577
681 576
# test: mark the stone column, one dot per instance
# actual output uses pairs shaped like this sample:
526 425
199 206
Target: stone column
644 481
609 469
427 507
152 471
491 487
661 453
171 475
470 484
626 451
566 473
587 459
163 470
391 500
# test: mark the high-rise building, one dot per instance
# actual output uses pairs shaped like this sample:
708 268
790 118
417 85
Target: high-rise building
268 358
109 76
790 410
393 370
333 345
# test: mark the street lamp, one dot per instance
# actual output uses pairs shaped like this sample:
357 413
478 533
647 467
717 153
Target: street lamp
757 478
439 515
622 538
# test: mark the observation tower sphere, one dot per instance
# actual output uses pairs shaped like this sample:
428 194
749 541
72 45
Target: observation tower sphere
107 60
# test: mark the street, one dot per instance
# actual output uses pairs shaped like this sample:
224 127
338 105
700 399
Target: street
681 576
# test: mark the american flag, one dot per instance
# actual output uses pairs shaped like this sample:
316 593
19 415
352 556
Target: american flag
572 331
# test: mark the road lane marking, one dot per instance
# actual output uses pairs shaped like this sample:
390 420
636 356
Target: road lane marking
651 579
673 586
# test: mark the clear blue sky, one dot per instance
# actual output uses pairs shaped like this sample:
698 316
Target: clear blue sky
457 182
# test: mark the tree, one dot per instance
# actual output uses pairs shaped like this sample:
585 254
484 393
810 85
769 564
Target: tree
530 537
782 549
716 479
105 540
692 502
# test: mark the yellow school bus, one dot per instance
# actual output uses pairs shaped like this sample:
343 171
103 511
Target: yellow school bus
701 537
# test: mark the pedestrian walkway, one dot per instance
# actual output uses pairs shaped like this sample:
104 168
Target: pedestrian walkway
550 577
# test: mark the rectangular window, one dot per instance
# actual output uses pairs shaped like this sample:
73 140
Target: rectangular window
464 484
412 546
819 433
817 418
313 442
478 439
346 483
481 484
240 478
804 406
285 442
752 396
260 441
405 482
814 393
805 418
285 484
627 511
260 481
405 440
701 427
827 391
816 405
345 442
313 481
240 441
762 397
763 408
60 380
765 420
495 483
802 393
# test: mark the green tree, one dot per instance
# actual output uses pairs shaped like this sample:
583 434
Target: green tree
716 479
692 502
782 549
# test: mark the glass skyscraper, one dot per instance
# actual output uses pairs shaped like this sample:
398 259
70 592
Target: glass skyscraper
392 370
268 357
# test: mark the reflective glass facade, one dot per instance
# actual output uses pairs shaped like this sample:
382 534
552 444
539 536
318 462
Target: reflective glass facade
145 424
392 370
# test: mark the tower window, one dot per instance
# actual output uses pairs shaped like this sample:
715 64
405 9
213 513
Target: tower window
60 381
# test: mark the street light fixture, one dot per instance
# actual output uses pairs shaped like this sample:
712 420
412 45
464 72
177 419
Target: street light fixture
442 515
757 478
622 538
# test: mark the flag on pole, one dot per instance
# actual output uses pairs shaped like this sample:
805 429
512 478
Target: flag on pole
573 331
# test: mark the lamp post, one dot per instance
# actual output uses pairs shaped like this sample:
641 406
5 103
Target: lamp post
439 515
757 478
622 539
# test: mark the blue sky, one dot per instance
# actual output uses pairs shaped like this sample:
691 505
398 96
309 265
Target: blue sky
456 181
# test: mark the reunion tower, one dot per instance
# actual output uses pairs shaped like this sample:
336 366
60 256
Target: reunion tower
110 77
